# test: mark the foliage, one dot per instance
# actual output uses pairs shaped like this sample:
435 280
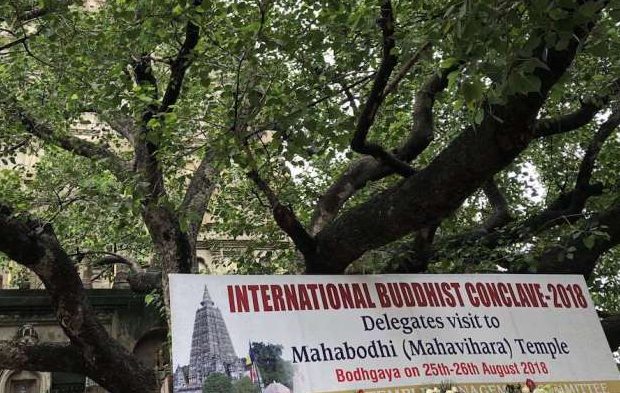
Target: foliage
217 383
73 75
284 71
245 385
606 283
65 190
272 367
350 136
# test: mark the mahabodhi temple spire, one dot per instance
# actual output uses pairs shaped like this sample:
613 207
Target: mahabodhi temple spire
212 350
206 299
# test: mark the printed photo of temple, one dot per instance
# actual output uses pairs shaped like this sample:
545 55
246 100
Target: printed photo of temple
214 367
211 352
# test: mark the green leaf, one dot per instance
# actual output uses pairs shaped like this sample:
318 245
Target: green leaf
153 124
479 116
557 13
170 118
588 9
472 91
521 83
145 98
177 10
589 241
149 298
448 62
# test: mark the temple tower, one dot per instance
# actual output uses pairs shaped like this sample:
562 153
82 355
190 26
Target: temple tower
212 350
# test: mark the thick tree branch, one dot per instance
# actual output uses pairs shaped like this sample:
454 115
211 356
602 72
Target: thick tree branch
583 260
285 217
567 208
145 147
376 97
70 143
13 43
415 256
501 212
122 124
140 281
50 357
367 169
409 257
34 245
579 254
145 282
355 178
568 122
404 70
462 167
196 200
198 193
499 217
110 258
180 64
596 144
172 244
579 118
422 127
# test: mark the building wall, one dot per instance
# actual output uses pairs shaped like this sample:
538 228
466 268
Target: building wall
27 315
24 382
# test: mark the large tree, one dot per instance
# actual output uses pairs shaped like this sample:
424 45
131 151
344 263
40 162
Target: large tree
376 135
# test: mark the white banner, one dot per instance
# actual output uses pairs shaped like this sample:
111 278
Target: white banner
388 333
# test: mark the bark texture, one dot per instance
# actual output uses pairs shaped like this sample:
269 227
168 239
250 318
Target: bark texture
34 245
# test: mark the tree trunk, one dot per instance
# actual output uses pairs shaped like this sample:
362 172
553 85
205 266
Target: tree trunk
34 245
173 247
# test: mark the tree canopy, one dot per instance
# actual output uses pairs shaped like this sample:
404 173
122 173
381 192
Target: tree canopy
268 359
217 383
371 135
